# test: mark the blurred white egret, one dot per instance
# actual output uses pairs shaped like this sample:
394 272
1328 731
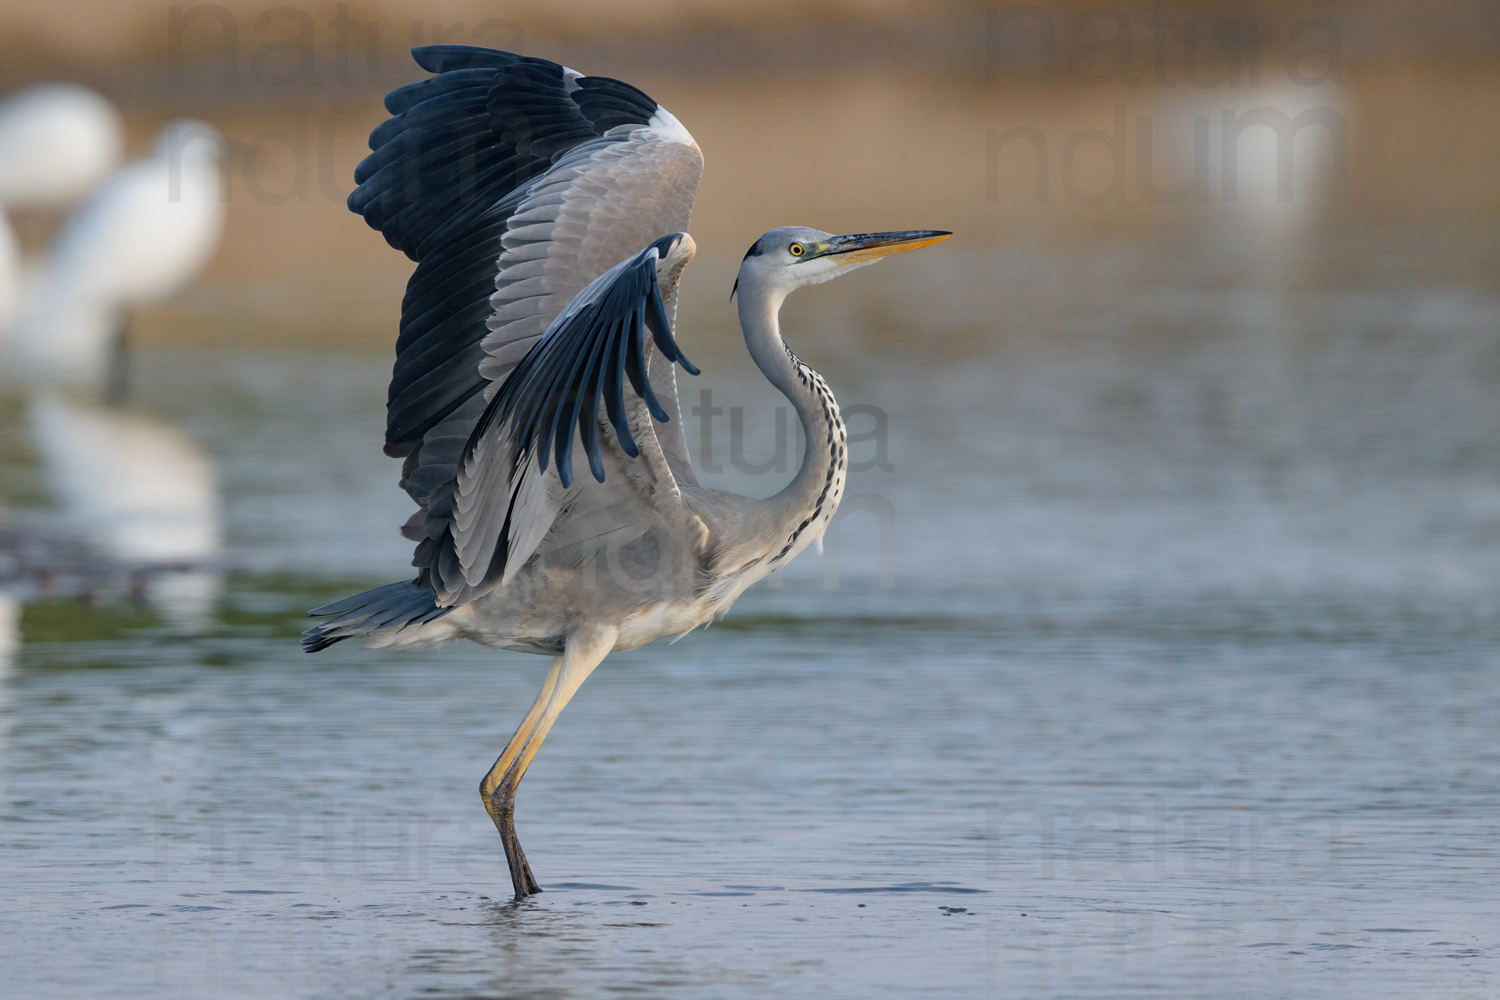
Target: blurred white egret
57 140
1274 155
139 490
148 230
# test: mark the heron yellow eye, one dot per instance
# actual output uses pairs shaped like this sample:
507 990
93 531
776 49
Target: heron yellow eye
795 249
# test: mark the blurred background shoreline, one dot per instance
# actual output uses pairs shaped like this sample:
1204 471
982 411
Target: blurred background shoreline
849 115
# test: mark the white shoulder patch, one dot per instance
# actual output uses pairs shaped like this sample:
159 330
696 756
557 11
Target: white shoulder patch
665 125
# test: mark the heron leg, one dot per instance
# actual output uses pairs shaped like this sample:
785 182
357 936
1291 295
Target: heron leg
582 652
502 808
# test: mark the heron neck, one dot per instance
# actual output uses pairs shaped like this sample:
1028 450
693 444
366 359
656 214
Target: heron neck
802 509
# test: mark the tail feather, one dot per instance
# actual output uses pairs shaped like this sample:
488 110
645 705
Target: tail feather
394 606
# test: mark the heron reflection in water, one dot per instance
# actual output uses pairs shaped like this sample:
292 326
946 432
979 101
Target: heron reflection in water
534 396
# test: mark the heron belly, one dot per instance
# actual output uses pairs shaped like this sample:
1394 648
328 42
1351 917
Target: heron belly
661 621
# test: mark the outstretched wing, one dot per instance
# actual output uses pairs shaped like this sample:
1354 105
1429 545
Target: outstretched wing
514 183
506 504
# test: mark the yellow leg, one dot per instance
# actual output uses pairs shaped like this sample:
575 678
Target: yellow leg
582 652
522 734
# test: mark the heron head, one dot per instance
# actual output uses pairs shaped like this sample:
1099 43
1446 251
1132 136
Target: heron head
792 256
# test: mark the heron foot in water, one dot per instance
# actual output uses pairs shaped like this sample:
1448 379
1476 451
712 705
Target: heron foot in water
503 811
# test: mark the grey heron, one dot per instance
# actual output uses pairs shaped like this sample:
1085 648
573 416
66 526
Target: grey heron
546 211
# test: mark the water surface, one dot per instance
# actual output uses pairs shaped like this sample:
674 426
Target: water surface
1157 660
